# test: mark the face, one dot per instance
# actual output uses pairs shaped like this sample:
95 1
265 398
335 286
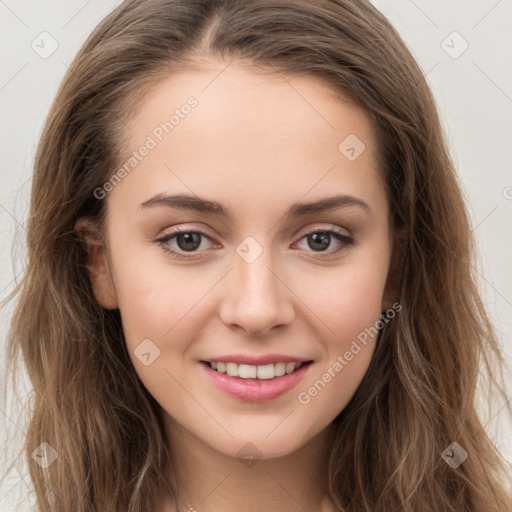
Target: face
247 270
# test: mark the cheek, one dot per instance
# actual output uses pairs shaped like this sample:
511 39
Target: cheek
163 310
349 303
155 296
161 304
347 299
348 352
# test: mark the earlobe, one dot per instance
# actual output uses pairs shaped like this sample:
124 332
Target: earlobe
97 264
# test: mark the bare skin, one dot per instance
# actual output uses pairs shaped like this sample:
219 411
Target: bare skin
256 144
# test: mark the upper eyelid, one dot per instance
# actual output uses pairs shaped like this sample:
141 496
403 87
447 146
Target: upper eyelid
324 227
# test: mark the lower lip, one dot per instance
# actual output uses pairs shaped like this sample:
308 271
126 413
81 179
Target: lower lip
256 390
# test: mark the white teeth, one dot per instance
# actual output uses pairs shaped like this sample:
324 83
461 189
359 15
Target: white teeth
290 367
232 369
280 369
248 371
266 371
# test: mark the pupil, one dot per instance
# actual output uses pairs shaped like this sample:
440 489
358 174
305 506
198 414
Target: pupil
315 238
190 238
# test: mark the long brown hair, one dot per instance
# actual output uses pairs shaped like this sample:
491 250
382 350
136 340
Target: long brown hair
419 394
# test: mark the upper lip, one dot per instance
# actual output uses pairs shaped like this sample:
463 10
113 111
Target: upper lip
256 360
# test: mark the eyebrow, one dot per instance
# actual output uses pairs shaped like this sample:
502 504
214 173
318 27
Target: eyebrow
197 204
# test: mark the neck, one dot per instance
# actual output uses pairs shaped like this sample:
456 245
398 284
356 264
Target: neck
205 480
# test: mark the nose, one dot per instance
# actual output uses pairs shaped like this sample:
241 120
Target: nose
257 298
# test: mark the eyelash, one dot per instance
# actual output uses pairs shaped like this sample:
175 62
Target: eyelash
345 240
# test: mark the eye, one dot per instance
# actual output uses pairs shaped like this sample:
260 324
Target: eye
187 241
320 239
190 241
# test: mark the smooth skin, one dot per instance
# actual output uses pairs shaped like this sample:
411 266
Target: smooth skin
257 144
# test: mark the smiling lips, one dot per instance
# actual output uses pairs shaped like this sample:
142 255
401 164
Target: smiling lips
255 379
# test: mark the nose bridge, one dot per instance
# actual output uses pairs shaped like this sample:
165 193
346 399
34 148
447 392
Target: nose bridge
256 299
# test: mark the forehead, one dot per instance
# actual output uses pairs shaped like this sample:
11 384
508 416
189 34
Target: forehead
249 136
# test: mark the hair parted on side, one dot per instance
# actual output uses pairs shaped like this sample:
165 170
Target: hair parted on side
420 391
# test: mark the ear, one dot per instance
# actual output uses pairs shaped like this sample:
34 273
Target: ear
97 264
394 279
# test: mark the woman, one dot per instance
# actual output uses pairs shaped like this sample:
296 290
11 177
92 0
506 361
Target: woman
250 284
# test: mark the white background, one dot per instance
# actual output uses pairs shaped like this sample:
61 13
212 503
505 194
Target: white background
474 95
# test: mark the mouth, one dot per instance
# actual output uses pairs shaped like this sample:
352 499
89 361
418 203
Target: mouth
262 372
252 383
